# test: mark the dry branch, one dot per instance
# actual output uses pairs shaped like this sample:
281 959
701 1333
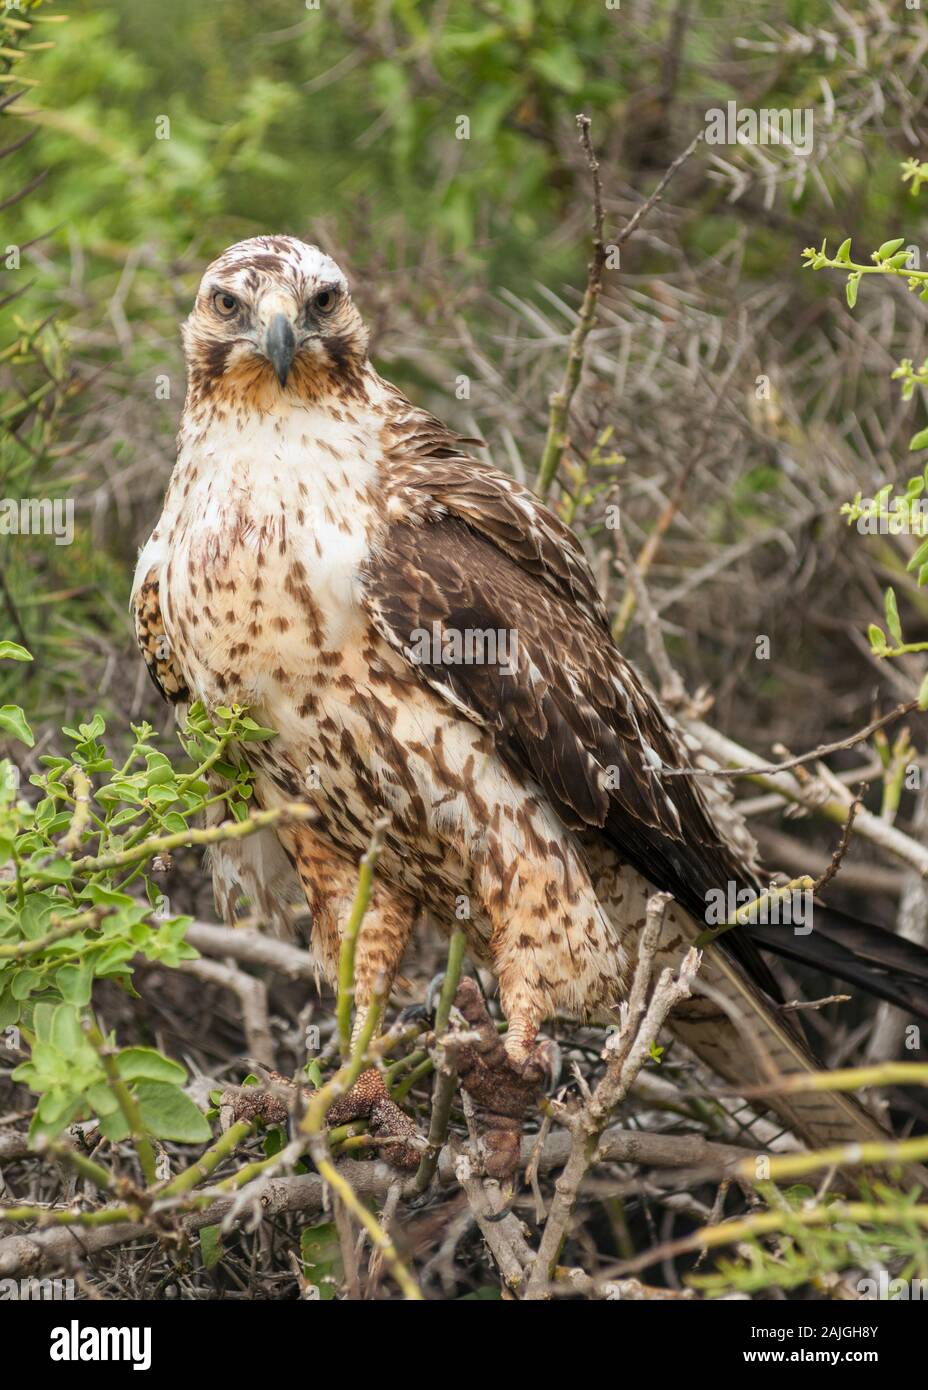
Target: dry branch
819 793
252 948
44 1251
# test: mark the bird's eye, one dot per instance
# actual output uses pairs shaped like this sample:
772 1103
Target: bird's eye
325 300
225 304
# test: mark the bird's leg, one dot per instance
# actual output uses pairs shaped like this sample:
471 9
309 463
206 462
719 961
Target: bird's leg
330 882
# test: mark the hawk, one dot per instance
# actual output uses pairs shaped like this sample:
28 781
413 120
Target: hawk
326 554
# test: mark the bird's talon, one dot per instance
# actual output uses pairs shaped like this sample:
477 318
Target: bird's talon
415 1013
370 1100
433 991
502 1088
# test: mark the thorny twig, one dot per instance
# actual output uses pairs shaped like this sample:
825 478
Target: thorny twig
845 841
556 439
769 769
821 794
45 1249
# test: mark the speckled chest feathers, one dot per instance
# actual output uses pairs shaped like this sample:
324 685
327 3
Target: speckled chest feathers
268 520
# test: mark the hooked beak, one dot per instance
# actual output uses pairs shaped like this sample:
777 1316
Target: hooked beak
280 346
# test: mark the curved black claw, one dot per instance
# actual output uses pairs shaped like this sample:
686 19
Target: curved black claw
433 991
548 1054
415 1013
425 1012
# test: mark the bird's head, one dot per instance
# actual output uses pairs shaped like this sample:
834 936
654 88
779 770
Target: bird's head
273 317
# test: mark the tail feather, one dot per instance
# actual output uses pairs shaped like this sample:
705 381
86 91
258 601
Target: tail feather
875 960
738 1031
741 1032
744 1039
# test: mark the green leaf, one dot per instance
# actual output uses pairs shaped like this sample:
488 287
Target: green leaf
472 39
920 440
889 248
877 638
273 1142
211 1250
42 1021
9 1010
853 284
12 651
843 253
559 66
24 982
146 1064
58 871
13 721
321 1253
254 733
107 897
76 983
104 1102
923 693
919 558
66 1033
159 770
892 615
168 1114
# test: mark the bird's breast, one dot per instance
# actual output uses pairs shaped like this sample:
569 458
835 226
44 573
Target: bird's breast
261 582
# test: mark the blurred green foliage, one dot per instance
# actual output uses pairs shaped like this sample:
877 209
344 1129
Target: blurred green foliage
167 131
281 115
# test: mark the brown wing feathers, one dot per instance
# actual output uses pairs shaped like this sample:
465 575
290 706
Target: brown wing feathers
574 716
154 645
571 714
